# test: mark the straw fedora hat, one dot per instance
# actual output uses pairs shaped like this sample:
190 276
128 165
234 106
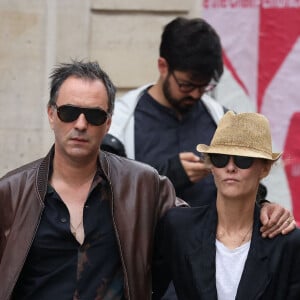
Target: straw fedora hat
244 134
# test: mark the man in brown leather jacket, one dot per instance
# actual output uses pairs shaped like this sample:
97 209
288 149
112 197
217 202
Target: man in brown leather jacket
79 223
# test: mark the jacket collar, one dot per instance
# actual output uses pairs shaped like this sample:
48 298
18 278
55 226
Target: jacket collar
255 276
202 260
43 174
45 169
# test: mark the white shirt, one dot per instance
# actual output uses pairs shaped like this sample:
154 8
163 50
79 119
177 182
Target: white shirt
229 268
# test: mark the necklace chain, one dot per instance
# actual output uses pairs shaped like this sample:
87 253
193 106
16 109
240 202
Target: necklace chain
219 236
74 229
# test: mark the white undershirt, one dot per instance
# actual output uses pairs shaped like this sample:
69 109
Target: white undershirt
229 267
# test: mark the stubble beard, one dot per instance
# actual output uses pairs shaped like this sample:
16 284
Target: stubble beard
178 104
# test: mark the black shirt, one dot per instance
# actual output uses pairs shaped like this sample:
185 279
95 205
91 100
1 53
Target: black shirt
160 136
58 267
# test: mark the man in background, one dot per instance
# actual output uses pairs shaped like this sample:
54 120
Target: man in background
160 124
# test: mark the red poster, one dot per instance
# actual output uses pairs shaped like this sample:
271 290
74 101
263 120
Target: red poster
261 42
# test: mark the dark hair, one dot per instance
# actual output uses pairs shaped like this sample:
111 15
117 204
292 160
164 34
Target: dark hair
192 45
80 69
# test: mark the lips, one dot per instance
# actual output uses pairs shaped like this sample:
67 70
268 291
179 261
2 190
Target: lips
80 140
230 180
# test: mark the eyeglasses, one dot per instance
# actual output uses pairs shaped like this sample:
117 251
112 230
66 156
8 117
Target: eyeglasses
221 160
69 113
187 87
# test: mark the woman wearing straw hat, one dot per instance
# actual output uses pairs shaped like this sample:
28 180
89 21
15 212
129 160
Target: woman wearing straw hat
216 251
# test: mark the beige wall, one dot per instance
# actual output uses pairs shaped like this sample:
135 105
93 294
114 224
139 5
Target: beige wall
123 35
37 34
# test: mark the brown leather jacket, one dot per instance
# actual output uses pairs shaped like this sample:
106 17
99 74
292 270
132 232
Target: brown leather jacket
139 197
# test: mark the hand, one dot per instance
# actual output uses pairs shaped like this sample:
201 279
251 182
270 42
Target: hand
194 167
276 219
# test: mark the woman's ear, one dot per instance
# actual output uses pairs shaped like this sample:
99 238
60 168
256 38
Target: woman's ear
267 164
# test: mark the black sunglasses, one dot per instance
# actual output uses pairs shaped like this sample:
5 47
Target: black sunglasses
221 160
69 113
187 87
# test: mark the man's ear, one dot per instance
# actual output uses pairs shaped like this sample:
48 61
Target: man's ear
163 66
50 112
108 123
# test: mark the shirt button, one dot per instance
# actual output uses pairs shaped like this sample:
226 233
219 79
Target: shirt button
63 220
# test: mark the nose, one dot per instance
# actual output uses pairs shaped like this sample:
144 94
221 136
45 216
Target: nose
196 93
81 123
231 165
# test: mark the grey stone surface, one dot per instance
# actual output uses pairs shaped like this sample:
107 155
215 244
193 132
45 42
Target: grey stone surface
36 35
123 35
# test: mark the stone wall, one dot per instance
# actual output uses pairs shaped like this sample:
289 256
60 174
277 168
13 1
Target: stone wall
123 35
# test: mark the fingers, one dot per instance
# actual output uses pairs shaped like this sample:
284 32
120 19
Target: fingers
278 216
264 218
189 156
195 170
289 225
271 214
284 225
275 220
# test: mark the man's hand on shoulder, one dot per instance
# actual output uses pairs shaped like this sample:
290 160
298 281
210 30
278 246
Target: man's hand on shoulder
276 220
